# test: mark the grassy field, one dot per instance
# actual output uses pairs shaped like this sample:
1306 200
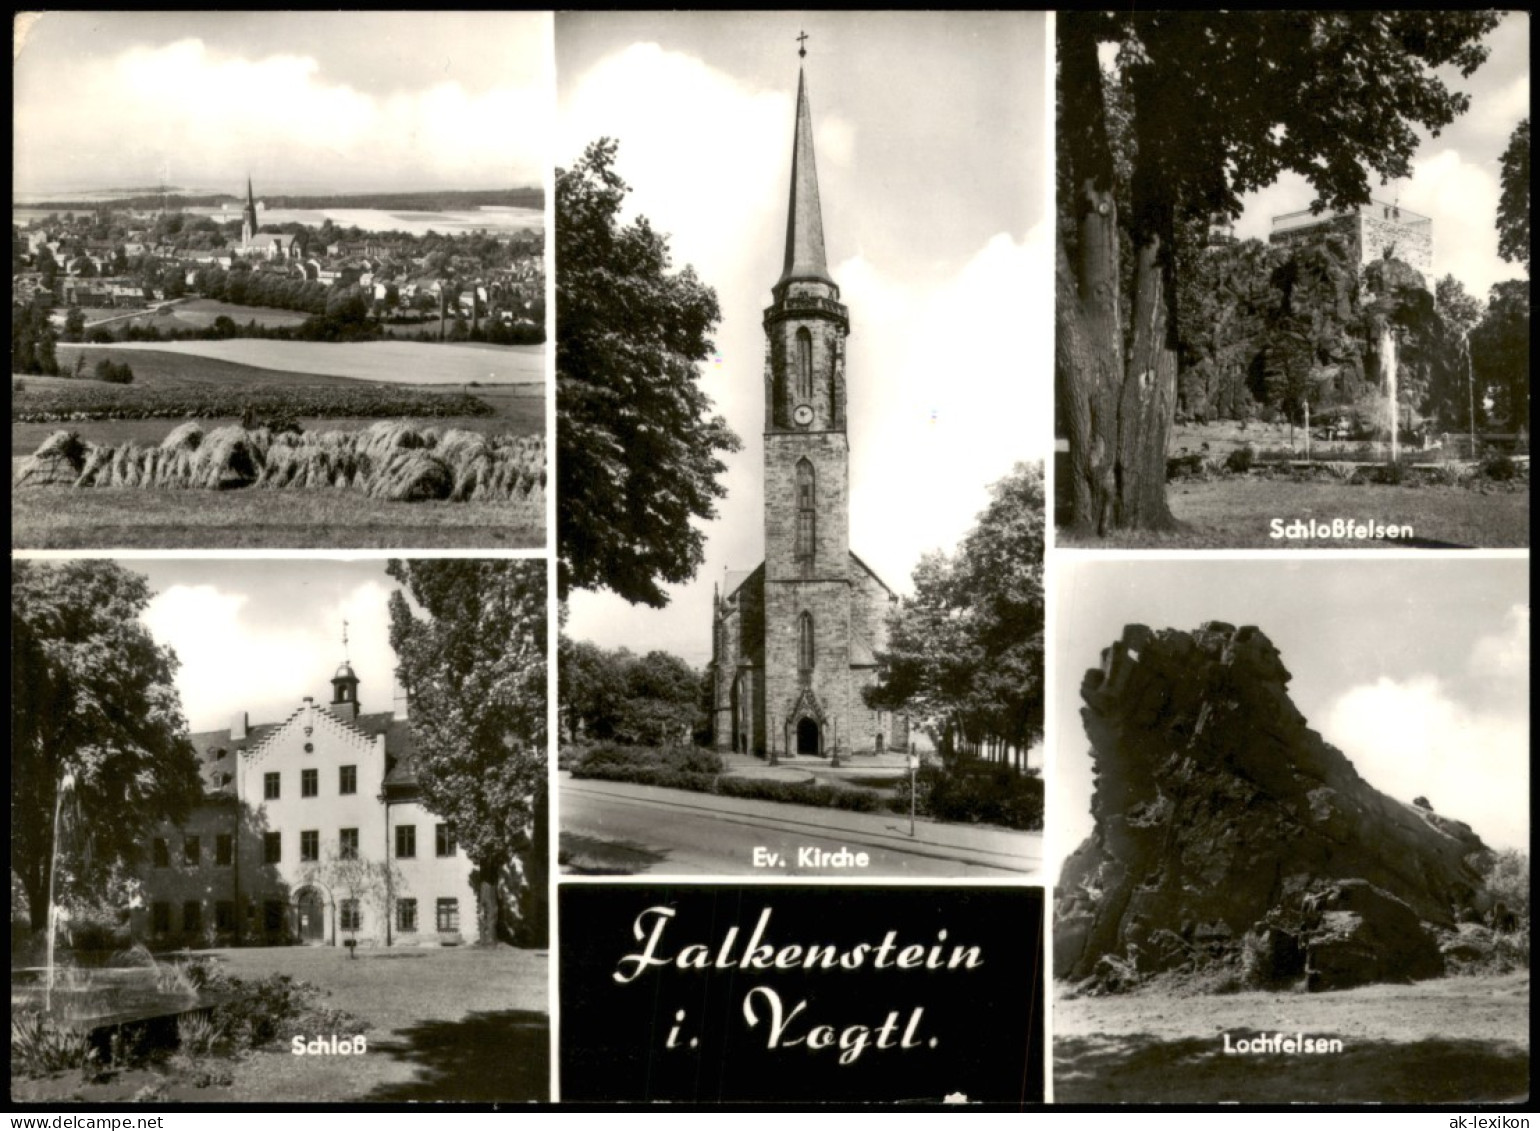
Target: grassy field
445 1025
410 363
200 313
171 518
1453 1040
1236 512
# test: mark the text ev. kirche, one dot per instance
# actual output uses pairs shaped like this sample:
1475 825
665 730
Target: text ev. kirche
791 1026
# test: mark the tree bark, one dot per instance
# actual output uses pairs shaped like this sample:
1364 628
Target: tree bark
1116 410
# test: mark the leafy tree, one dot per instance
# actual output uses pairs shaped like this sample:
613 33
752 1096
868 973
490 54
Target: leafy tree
75 323
591 687
474 668
1226 297
1220 104
93 705
1513 205
662 701
1500 353
32 340
1450 395
965 654
638 455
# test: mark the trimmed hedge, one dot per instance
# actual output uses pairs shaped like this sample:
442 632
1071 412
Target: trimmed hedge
991 794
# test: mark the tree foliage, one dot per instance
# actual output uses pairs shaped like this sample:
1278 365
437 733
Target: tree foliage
1219 104
1513 204
965 654
471 653
33 339
638 451
616 696
92 704
1500 353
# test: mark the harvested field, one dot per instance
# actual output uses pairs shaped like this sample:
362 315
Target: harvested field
412 363
391 460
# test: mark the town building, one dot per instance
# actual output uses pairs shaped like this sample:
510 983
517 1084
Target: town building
311 830
1376 230
795 640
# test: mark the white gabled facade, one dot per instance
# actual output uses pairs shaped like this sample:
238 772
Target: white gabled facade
311 831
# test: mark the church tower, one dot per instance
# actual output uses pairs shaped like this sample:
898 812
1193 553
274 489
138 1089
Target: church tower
807 585
249 217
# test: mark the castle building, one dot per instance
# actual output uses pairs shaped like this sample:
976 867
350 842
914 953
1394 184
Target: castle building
1373 231
311 830
795 640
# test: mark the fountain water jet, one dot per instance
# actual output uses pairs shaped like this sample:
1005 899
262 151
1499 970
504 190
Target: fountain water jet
1388 364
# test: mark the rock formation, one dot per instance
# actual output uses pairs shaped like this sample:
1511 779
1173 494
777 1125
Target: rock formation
1228 832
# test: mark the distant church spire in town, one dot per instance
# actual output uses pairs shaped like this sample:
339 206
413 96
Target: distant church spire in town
804 217
249 215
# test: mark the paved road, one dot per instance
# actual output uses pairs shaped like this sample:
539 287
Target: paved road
615 827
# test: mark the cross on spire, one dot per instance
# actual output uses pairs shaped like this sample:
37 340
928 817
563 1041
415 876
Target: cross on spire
344 639
802 44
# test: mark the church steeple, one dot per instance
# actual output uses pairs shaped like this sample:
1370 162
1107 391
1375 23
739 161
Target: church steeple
804 217
249 215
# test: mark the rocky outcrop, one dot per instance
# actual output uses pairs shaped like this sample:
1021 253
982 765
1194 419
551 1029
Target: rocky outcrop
1228 831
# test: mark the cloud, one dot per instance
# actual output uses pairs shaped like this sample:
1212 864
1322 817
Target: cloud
706 177
199 116
1462 197
949 391
232 659
1462 741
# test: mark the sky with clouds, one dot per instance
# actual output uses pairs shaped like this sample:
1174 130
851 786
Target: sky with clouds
260 635
933 167
1455 176
1416 669
303 101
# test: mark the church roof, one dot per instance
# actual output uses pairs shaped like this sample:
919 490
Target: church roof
804 217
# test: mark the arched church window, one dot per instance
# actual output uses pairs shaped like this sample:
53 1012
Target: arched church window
804 364
806 511
805 642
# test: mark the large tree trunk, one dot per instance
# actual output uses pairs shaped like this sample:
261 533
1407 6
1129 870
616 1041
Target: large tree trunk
1117 411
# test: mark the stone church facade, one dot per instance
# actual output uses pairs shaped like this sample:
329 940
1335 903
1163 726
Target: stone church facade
795 640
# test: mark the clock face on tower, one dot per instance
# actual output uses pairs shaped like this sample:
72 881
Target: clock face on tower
803 415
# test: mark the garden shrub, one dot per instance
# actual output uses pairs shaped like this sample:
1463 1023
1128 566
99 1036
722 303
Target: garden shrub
1240 461
977 794
40 1046
1499 469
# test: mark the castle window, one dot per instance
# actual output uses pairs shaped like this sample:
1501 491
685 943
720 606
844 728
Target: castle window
347 844
309 783
192 916
807 520
805 642
347 779
406 841
449 914
270 787
162 853
406 914
160 918
310 845
804 364
272 848
351 918
224 850
224 916
444 840
191 851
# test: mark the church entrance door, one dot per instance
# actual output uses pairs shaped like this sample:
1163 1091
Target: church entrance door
807 737
312 916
